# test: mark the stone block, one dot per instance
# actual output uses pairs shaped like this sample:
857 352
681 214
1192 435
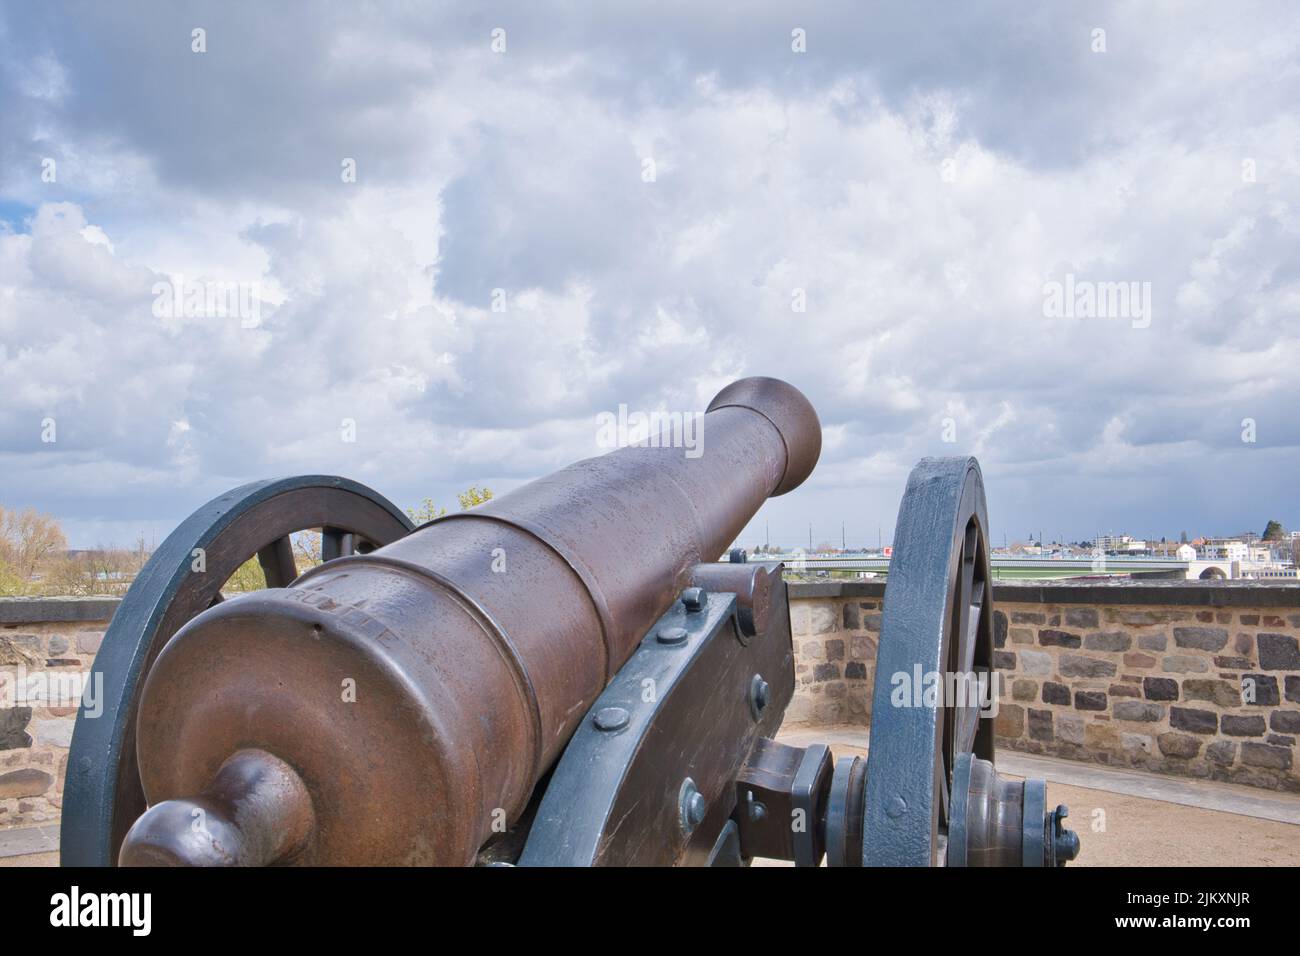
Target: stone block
1036 663
1069 729
1054 693
1050 637
1265 755
1010 721
1138 711
1201 638
1278 652
824 618
56 731
1024 690
88 641
1075 665
1089 700
1040 725
1084 617
1222 752
1182 746
26 782
1153 642
1259 690
1221 692
1107 641
1193 720
1233 725
13 728
1285 721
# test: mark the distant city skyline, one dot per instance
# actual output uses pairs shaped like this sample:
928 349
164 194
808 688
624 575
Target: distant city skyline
390 247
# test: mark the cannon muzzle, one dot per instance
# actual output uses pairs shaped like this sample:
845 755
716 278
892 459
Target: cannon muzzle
398 707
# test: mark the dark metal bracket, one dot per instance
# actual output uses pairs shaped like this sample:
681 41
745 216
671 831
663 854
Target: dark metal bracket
649 778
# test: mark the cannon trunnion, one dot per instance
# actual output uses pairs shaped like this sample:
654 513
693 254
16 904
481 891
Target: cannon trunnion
561 677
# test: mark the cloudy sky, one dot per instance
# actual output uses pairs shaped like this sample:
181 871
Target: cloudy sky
653 188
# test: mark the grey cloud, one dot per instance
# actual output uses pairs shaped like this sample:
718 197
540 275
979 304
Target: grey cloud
821 172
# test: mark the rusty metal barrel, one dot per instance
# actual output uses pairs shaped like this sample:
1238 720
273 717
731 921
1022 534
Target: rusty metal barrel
399 707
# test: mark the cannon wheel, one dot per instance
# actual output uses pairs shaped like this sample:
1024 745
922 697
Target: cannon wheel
102 795
937 619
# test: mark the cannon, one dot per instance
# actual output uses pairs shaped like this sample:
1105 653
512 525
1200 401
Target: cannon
563 676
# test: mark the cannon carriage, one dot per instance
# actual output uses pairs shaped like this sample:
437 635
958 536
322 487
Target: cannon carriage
564 676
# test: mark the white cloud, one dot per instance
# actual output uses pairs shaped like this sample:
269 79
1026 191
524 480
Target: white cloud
919 206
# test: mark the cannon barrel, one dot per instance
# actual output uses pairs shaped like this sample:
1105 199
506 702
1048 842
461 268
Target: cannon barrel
399 707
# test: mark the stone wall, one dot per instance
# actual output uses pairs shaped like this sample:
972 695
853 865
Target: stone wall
46 647
1201 680
834 629
1157 676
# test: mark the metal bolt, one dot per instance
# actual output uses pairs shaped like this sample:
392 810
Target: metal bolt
755 809
671 635
691 806
611 718
758 695
695 599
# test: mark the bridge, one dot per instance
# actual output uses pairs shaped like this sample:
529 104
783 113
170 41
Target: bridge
1008 567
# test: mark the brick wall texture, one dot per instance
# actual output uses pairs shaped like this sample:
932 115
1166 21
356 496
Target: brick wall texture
1193 691
35 730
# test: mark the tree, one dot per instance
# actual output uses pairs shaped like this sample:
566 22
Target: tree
474 496
27 538
1274 531
471 497
426 512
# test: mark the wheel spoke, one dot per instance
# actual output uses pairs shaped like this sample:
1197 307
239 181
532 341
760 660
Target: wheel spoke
335 543
945 785
970 638
277 563
967 723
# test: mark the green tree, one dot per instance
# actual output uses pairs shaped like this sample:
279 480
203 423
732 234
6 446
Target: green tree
474 496
1274 531
471 497
426 512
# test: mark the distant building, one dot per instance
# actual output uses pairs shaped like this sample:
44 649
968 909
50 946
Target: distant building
1225 549
1120 544
1186 552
